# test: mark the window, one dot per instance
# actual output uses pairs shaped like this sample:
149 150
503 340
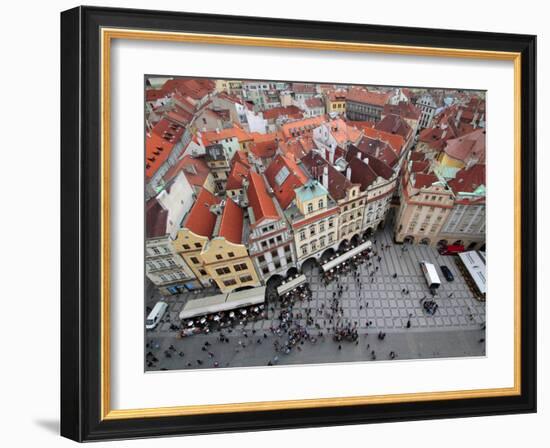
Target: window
229 282
322 241
231 254
194 260
322 226
186 246
156 250
277 265
287 248
265 270
321 203
288 259
331 237
282 175
313 245
279 238
245 278
261 259
304 249
271 241
264 245
310 208
330 223
312 231
240 267
218 257
202 272
302 235
274 253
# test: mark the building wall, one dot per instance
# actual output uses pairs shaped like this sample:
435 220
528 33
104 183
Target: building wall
229 265
352 208
188 246
363 112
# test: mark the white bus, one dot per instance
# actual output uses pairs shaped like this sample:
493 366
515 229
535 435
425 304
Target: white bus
155 315
432 279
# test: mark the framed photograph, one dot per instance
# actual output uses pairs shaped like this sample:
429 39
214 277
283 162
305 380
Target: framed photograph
276 224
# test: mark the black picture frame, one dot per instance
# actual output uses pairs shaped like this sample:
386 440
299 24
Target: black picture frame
81 224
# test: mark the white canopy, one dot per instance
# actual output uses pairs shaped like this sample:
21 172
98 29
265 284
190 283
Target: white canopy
346 256
292 284
223 302
247 297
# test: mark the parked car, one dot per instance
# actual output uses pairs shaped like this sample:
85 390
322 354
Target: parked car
447 273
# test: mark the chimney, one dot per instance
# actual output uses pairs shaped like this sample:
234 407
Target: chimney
359 155
325 177
348 173
331 157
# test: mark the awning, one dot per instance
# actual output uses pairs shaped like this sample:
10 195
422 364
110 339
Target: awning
247 297
205 305
223 302
292 284
346 256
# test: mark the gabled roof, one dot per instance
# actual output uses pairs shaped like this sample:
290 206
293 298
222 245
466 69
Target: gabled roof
394 140
361 173
376 148
298 147
403 109
284 175
195 169
422 180
231 226
468 147
241 157
394 124
239 172
200 220
468 180
292 112
338 184
363 95
315 102
222 134
259 199
157 151
302 127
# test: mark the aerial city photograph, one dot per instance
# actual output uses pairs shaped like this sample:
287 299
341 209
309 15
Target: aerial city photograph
292 223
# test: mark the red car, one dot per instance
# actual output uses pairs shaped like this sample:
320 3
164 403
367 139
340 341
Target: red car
453 249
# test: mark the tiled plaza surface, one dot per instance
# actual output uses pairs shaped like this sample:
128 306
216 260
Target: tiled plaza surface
380 299
456 329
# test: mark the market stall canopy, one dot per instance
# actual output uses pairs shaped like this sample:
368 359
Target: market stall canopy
290 285
346 256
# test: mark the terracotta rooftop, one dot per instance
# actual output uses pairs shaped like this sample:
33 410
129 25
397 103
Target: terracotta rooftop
422 180
338 184
314 103
284 175
231 226
194 88
157 151
298 87
302 127
362 95
403 109
292 112
259 199
239 172
468 180
394 124
195 169
468 147
200 220
233 132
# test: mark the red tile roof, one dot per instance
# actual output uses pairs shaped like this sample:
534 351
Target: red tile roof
157 151
394 124
201 220
314 103
422 180
338 183
292 112
296 178
298 87
262 204
394 140
302 127
231 226
233 132
194 88
153 95
468 180
403 109
239 172
468 147
362 95
195 169
297 148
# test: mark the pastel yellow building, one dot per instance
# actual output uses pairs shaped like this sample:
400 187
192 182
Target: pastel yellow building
225 258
